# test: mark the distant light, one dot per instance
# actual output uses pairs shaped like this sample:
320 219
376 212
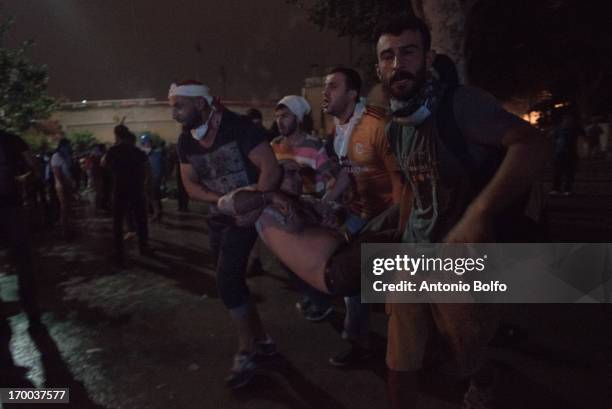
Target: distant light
532 117
84 101
561 105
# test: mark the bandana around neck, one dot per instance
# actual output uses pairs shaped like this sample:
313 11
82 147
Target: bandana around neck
207 132
344 132
417 109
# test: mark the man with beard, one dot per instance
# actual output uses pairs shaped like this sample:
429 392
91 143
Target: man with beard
220 151
362 149
466 160
315 169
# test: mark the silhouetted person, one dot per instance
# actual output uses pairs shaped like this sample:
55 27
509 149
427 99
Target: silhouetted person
256 117
65 185
128 166
565 139
154 188
14 153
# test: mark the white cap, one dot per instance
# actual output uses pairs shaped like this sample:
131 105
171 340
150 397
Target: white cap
296 104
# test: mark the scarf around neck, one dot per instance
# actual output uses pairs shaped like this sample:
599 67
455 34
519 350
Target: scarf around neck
418 108
344 132
416 154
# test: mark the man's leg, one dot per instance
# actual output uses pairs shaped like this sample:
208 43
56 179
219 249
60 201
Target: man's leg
356 322
305 253
315 305
140 216
65 200
233 245
119 204
356 332
408 337
13 231
467 330
183 198
156 201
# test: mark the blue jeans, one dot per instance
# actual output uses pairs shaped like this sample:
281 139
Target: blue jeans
357 319
231 246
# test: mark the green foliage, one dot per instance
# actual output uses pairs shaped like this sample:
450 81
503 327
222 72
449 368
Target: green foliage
23 86
358 19
354 18
82 140
37 141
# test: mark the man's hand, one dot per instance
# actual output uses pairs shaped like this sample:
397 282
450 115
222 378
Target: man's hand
287 205
23 178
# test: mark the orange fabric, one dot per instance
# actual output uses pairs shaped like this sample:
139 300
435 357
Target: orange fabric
373 166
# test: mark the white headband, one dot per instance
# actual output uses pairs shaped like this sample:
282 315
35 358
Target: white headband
190 90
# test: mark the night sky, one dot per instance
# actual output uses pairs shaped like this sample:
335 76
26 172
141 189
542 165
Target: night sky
110 49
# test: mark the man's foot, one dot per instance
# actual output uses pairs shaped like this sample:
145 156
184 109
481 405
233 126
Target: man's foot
304 305
242 371
316 314
265 348
129 235
567 193
355 354
479 397
553 192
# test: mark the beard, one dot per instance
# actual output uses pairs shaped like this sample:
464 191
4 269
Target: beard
407 91
192 121
290 129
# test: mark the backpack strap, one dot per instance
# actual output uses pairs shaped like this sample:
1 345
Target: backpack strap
449 133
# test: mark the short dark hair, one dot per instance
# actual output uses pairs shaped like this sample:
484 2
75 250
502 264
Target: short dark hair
399 24
124 134
352 78
254 113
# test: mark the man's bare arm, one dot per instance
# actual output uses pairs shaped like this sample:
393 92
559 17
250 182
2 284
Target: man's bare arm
33 170
193 187
343 183
31 163
528 151
59 177
270 172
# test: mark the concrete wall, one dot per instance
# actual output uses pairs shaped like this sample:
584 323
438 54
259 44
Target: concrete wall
100 117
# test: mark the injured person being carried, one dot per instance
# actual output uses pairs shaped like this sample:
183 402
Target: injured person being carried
305 233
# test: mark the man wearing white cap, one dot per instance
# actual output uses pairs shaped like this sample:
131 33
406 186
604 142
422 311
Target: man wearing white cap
220 151
315 170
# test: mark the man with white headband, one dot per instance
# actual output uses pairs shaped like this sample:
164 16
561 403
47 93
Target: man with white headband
220 151
296 144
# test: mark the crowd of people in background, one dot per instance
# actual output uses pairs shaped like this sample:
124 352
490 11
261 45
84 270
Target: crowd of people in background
311 201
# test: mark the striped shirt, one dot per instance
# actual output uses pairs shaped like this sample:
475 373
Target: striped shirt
316 168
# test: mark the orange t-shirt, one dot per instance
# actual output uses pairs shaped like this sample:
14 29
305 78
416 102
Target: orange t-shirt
373 166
